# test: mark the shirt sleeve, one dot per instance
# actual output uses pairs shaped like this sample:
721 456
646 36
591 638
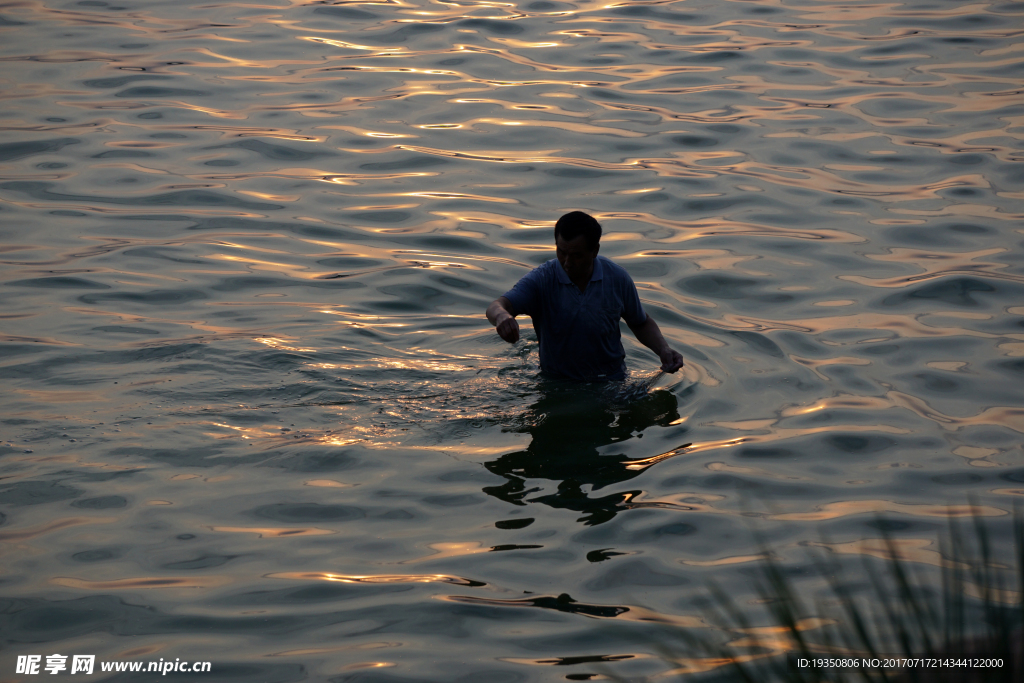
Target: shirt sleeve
632 310
525 295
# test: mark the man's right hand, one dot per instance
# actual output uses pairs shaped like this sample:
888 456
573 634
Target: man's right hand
500 315
508 329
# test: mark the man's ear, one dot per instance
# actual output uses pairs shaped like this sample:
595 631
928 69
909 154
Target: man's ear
597 249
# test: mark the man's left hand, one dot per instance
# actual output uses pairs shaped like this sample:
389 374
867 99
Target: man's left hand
649 334
671 360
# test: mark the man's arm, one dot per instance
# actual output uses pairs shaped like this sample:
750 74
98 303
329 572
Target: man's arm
502 315
649 334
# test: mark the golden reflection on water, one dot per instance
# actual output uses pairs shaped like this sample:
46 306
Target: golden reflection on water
775 434
45 396
44 529
905 325
457 549
368 665
725 561
759 472
378 578
327 483
336 648
144 583
815 364
271 532
857 507
1003 416
935 264
278 343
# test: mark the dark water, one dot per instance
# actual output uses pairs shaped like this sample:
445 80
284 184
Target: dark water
252 412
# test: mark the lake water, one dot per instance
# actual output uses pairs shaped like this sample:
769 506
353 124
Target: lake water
253 414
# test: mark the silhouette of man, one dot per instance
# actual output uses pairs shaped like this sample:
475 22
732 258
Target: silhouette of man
576 301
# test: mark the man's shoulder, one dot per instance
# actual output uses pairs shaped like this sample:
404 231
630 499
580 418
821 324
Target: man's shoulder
536 280
614 270
545 270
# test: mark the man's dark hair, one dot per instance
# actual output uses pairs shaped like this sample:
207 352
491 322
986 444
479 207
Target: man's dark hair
572 225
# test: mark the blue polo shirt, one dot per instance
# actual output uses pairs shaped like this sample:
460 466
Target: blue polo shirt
579 331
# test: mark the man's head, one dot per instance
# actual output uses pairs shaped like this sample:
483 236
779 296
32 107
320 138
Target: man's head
577 241
572 225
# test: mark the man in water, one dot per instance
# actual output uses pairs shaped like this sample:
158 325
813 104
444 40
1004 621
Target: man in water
575 301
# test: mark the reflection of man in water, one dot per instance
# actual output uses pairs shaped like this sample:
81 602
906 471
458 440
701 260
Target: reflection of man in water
575 301
568 425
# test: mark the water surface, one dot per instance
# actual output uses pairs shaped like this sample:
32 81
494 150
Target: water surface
253 412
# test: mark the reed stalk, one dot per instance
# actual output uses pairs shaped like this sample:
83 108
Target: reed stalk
972 610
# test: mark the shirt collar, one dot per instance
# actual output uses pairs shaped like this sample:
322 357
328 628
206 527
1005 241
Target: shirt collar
598 273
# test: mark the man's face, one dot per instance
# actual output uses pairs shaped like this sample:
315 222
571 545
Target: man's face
576 256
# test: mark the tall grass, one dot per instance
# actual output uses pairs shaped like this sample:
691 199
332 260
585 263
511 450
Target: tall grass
972 610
